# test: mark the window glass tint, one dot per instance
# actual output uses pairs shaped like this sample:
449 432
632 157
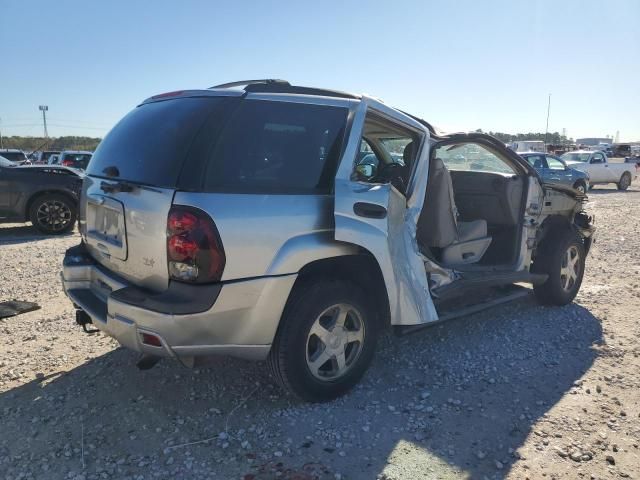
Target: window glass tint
555 164
277 147
149 145
472 157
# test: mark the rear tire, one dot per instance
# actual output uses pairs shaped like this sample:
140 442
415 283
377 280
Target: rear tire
326 340
562 257
53 214
625 181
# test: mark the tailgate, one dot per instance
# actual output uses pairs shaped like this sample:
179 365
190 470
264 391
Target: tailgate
125 231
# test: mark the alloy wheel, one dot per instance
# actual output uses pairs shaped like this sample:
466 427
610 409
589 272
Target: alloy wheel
335 342
54 215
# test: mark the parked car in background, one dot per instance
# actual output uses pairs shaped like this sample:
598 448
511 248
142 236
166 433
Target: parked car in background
71 158
44 156
554 170
170 265
600 170
44 195
14 155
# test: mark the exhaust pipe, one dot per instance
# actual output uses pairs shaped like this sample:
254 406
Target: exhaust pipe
147 362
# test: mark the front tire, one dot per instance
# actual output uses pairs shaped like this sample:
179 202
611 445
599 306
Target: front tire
624 182
53 214
326 340
562 258
580 186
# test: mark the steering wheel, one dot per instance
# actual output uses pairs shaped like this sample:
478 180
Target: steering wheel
392 173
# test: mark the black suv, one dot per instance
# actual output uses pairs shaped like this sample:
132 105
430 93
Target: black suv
45 195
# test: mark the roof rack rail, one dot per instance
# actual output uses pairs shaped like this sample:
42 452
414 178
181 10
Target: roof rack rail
271 85
241 83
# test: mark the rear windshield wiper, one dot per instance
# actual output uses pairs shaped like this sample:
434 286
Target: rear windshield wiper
116 187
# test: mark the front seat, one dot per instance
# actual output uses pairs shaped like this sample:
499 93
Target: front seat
438 226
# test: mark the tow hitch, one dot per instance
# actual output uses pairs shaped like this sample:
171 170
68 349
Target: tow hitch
83 319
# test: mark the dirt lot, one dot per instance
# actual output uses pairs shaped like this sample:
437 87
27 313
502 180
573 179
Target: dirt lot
520 391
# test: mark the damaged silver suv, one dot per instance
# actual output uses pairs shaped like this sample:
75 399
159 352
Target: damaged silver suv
291 224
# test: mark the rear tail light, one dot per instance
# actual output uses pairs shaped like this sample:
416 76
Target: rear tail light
194 249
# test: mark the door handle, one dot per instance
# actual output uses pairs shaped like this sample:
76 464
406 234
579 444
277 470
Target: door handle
369 210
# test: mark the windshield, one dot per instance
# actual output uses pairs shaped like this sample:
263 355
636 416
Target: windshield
77 157
150 143
576 157
5 163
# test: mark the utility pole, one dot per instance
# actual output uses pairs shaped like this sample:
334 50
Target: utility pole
546 131
43 109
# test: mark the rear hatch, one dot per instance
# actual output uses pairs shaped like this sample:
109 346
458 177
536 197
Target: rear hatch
131 181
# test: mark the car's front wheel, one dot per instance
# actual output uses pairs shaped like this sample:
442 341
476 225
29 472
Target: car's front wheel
580 186
53 214
325 341
562 258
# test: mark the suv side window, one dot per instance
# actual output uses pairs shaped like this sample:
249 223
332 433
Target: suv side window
387 153
276 147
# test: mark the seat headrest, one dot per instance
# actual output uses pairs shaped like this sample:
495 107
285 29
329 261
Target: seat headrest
407 153
437 165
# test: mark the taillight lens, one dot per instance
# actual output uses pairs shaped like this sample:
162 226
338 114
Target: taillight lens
194 250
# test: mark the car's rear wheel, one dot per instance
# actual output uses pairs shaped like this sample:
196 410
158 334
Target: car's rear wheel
625 181
325 341
562 258
53 214
580 186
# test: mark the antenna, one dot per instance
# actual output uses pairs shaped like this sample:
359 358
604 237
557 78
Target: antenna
546 131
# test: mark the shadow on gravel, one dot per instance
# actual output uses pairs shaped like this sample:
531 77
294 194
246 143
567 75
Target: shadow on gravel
449 402
25 233
605 191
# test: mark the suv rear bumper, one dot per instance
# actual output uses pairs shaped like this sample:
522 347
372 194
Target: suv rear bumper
237 318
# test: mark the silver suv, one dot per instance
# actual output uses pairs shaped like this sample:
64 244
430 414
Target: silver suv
292 224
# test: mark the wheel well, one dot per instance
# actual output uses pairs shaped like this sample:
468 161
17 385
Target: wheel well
580 180
552 224
42 193
361 269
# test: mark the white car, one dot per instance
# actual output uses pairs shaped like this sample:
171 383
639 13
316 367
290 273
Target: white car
600 171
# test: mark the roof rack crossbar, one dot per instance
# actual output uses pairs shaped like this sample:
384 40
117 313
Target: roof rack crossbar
241 83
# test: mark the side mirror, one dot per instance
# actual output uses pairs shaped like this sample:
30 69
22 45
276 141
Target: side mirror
365 170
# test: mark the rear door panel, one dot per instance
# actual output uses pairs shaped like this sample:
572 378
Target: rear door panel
389 238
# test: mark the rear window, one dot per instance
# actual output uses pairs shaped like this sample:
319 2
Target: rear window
14 156
149 145
276 147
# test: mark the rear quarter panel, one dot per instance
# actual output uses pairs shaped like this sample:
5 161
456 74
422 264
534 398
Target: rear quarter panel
270 234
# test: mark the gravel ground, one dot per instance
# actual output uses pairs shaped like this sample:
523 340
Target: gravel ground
519 391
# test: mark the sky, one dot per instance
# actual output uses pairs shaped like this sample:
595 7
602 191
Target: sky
460 65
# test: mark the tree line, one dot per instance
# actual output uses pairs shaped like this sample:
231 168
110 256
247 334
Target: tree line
554 138
30 144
